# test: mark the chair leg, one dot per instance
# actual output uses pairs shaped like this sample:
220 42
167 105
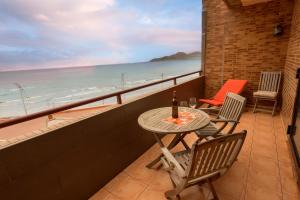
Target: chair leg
171 194
186 146
274 108
213 191
256 100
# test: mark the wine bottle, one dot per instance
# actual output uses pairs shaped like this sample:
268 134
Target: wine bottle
174 106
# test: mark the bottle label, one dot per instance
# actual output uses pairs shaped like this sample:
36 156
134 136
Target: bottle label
175 111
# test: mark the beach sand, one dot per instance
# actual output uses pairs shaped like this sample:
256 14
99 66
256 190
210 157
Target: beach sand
14 131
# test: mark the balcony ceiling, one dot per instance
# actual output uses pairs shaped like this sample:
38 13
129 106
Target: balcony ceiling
237 3
252 2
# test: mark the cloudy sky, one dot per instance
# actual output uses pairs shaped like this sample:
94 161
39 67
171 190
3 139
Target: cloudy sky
61 33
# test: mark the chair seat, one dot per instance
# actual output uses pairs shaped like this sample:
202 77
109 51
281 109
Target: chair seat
183 158
209 130
265 94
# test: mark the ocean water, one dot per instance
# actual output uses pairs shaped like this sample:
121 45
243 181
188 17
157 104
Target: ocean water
48 88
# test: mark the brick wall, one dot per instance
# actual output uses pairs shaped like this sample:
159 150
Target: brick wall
291 65
240 44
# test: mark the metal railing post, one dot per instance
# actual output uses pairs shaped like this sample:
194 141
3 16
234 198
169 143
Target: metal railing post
119 99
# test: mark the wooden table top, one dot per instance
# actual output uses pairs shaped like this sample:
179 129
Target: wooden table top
160 120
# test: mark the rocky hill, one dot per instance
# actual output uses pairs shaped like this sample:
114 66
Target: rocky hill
179 56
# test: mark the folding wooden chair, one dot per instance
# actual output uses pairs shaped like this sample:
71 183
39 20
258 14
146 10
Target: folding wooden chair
229 115
203 164
268 88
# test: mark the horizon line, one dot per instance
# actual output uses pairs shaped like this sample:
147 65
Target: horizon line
79 66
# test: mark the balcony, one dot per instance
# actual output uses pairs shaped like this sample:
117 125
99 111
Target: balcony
107 151
102 154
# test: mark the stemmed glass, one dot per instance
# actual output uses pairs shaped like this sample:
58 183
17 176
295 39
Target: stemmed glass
183 104
193 102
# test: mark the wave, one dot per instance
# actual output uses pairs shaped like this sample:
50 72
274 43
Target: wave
136 82
86 92
34 97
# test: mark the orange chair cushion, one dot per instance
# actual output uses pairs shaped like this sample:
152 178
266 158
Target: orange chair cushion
234 86
211 102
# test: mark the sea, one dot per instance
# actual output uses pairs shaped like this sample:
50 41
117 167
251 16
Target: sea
29 91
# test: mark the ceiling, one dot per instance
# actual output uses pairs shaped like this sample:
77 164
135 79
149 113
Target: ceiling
237 3
251 2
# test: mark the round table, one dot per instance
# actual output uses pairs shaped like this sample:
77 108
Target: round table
160 122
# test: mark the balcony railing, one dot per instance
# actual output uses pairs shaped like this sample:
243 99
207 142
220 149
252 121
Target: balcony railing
118 96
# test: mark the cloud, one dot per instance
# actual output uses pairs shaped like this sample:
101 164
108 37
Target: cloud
36 33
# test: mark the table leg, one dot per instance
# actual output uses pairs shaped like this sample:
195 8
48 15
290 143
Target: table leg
178 138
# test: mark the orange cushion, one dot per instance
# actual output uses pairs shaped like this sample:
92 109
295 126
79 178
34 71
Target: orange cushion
234 86
211 102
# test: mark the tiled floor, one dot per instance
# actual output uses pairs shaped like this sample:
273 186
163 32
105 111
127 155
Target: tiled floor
263 170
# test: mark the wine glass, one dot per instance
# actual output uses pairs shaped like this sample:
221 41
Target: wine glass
193 102
183 104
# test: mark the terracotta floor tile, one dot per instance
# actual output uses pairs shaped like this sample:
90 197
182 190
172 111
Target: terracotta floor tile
262 143
284 156
290 197
281 137
125 187
264 151
234 178
282 144
140 172
264 165
263 124
286 170
246 150
244 157
151 154
113 197
266 129
100 195
152 194
161 181
231 187
255 192
226 197
289 185
262 136
242 197
192 193
263 180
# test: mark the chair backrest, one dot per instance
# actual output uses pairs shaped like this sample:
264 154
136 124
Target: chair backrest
234 86
214 156
269 81
232 107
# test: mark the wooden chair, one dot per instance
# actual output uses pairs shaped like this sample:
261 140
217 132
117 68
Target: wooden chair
229 114
205 162
268 88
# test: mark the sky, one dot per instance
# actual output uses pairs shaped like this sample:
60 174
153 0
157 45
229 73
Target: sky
60 33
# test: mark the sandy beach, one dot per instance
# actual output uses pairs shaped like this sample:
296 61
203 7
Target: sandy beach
42 122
